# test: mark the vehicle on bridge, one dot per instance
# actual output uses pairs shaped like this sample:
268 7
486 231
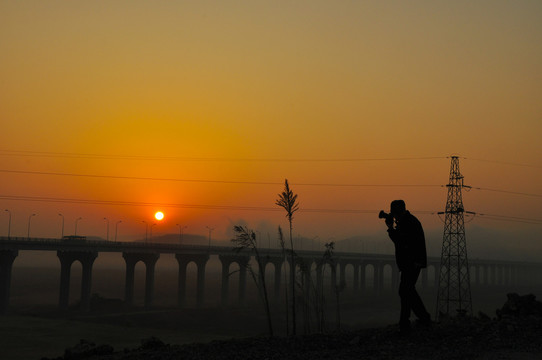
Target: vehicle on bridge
74 238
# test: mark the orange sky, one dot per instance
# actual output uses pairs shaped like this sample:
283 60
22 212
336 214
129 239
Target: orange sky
318 81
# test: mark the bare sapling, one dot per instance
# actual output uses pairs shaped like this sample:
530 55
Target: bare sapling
284 256
330 259
245 238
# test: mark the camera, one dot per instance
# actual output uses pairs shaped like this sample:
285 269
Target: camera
385 215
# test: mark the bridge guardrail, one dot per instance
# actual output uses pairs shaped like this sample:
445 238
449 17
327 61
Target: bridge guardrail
5 243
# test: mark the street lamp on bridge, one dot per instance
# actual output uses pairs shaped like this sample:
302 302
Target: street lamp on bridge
9 224
62 231
150 238
107 235
313 241
210 230
29 218
181 232
117 229
76 221
146 229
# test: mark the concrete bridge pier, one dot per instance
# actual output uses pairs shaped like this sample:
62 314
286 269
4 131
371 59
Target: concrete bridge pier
131 259
333 277
342 275
424 277
493 269
225 289
319 276
355 285
226 262
6 264
306 278
476 274
514 278
243 263
321 272
378 279
277 263
201 262
362 277
67 258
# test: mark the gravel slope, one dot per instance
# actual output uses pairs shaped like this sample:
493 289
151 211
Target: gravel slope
516 333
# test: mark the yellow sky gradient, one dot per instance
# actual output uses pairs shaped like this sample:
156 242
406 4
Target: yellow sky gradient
241 80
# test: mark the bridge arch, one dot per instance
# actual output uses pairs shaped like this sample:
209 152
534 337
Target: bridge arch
348 275
370 272
388 279
191 280
67 258
131 259
432 275
240 262
76 275
200 260
7 257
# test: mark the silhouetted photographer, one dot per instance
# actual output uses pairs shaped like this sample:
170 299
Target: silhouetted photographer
406 232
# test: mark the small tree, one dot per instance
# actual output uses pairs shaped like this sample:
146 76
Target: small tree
330 259
246 239
288 200
327 258
305 287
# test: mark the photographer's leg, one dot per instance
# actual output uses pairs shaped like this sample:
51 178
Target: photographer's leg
405 293
419 308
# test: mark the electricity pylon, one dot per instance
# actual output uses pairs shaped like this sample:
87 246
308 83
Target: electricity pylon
454 280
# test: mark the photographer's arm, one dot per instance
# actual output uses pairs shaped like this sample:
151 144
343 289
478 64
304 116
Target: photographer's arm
392 232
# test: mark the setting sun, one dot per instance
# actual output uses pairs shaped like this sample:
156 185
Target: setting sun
159 215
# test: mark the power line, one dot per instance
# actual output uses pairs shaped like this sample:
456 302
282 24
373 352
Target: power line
208 181
503 162
185 206
247 182
199 159
241 207
131 203
24 153
507 192
511 218
136 177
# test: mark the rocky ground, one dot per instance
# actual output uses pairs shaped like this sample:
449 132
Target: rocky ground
515 333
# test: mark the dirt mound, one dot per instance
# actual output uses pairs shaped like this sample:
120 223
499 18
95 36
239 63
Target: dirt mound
521 307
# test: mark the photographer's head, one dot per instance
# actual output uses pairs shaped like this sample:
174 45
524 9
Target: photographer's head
397 208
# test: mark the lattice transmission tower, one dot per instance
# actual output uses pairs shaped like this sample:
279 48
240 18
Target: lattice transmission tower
454 297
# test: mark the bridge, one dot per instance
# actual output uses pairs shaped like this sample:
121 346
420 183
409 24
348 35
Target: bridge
483 272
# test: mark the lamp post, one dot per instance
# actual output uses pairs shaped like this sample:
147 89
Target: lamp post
62 231
9 224
313 241
107 236
146 229
117 229
29 218
210 230
181 232
76 221
150 237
